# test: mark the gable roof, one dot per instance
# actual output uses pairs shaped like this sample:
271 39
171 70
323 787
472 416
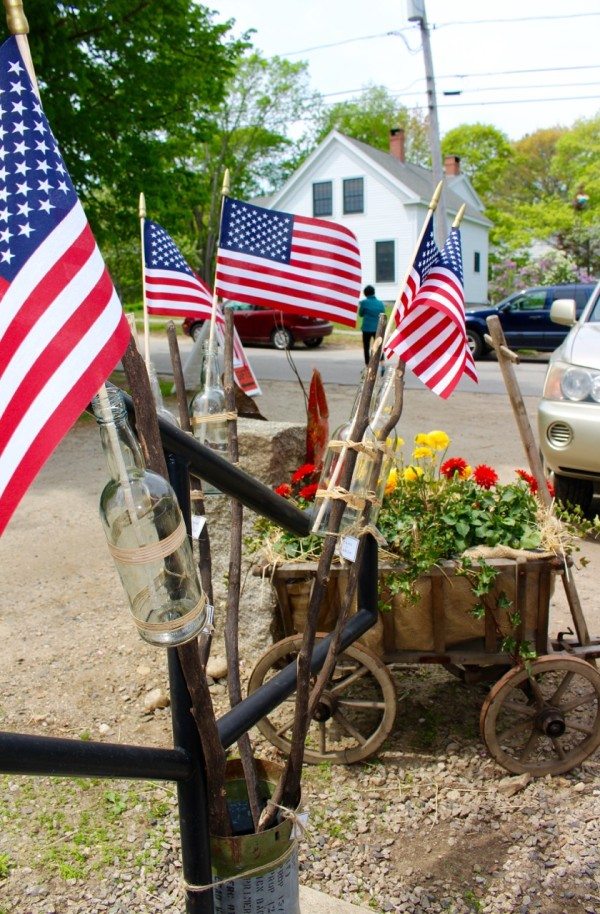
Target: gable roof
415 181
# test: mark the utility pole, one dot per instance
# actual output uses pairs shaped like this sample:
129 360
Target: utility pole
416 13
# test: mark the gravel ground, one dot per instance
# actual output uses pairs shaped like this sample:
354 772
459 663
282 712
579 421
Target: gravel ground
432 824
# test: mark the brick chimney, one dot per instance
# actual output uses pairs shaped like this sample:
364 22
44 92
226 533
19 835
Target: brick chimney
452 166
397 143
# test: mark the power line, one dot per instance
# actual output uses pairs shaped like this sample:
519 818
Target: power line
512 88
520 101
443 25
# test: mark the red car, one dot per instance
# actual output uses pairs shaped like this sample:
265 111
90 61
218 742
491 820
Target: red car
268 325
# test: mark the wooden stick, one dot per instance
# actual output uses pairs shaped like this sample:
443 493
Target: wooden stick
535 464
193 671
287 792
232 646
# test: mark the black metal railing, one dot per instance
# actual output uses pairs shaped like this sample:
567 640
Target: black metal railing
184 764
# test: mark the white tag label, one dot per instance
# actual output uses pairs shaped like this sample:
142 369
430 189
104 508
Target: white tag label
301 820
349 547
198 522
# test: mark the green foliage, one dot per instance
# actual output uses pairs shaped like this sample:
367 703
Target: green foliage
370 116
485 154
508 275
6 864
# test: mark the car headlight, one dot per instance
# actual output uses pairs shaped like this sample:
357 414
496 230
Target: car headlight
571 382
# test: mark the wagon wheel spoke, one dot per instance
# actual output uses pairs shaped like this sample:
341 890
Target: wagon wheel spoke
287 725
558 749
343 721
530 745
512 731
555 699
537 692
520 708
580 728
343 684
323 737
361 703
589 698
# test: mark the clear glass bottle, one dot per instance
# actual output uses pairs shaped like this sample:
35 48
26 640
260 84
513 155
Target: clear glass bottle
210 402
146 535
161 409
364 481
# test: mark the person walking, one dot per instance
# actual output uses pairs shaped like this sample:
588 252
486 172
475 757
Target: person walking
369 308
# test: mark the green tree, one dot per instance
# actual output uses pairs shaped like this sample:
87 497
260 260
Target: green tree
129 86
370 116
485 153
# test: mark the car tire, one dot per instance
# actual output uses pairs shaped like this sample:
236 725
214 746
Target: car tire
313 342
476 344
574 491
196 329
282 339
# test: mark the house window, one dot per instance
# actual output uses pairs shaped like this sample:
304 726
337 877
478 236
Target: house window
322 199
476 262
385 261
354 195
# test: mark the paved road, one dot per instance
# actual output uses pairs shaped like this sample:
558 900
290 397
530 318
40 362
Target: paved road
343 366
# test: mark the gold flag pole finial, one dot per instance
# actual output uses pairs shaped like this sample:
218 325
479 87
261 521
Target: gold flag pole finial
436 196
15 17
142 209
226 184
459 216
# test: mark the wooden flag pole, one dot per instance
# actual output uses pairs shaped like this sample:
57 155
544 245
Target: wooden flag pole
215 301
430 211
142 215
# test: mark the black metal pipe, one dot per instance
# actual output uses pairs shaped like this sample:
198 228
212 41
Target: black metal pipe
191 794
230 480
253 708
22 753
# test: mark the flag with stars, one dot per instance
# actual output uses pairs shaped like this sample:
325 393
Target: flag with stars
430 336
279 260
62 327
172 288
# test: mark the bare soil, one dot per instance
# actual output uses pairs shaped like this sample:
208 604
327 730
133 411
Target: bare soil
73 665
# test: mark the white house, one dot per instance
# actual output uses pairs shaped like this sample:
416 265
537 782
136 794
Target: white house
384 200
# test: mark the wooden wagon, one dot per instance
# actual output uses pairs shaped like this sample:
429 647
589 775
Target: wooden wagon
542 717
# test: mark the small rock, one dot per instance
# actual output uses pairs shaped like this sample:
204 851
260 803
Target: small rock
510 786
156 698
216 667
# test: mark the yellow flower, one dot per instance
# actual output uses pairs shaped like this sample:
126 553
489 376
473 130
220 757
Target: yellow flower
467 472
423 439
439 441
399 442
420 452
392 481
412 473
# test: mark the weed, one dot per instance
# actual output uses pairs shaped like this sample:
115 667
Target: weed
6 864
472 901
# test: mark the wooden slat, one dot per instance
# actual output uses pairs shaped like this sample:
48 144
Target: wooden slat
437 612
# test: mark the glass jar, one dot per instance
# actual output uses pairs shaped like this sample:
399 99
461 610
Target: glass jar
208 414
146 535
366 487
161 409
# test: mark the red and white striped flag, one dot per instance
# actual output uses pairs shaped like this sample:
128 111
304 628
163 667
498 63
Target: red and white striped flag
172 287
62 327
174 290
297 264
430 336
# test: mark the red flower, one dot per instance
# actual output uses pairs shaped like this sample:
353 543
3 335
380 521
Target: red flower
485 476
529 479
307 469
455 466
284 489
308 492
551 489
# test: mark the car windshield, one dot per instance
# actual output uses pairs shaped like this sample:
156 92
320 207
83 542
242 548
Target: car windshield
595 312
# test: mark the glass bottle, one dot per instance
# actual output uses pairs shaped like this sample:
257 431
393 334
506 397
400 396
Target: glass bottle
210 402
161 409
364 481
146 534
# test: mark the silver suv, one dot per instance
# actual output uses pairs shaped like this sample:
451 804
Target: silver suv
569 412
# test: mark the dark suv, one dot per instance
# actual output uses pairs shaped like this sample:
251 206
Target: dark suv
525 318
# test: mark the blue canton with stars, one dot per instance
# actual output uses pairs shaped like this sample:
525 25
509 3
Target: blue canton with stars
428 253
248 229
36 192
451 256
161 252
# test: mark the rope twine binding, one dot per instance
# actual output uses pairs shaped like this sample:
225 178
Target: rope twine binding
214 417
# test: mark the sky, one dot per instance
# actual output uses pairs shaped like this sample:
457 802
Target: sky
558 40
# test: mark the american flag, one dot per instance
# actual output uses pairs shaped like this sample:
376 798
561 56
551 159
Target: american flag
430 335
278 260
172 287
62 328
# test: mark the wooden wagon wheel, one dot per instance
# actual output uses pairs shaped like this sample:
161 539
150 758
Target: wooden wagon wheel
356 712
545 720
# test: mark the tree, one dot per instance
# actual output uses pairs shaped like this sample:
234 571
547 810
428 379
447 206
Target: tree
129 86
370 116
485 153
252 139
